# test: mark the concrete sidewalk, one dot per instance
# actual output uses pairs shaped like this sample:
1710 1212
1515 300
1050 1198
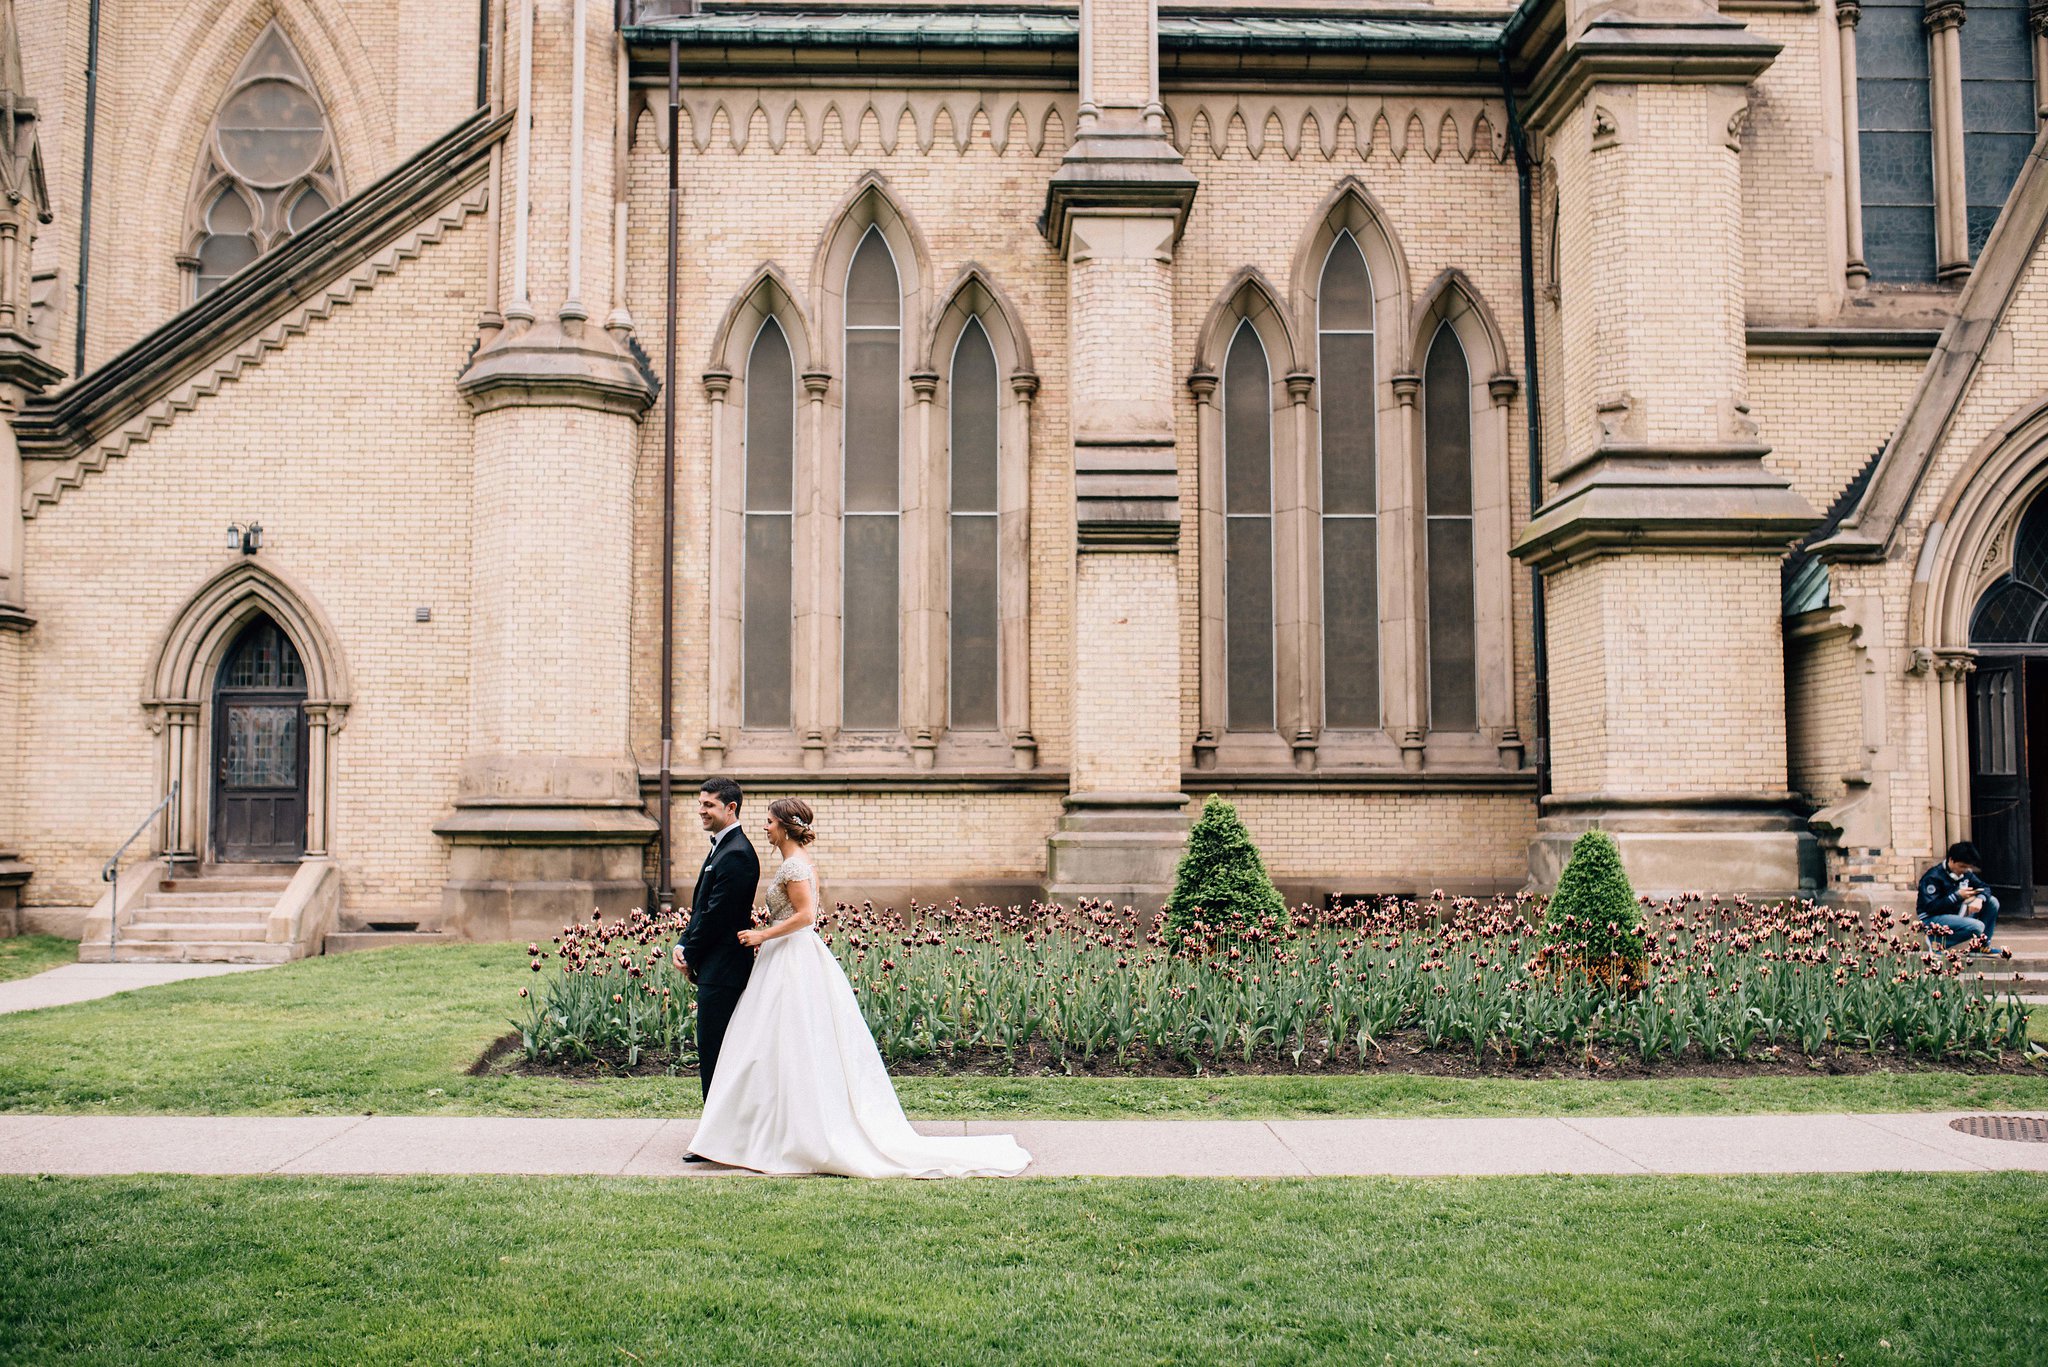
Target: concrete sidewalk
70 983
395 1145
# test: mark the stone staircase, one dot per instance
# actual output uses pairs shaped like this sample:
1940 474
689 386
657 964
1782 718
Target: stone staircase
236 914
381 932
2026 972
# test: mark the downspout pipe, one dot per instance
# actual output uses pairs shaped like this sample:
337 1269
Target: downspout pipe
666 891
1518 138
92 102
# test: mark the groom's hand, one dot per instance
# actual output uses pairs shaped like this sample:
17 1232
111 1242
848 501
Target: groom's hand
682 964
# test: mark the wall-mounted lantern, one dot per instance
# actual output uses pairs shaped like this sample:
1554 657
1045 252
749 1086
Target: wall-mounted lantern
245 537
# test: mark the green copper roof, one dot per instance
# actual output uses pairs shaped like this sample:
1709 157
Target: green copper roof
1043 29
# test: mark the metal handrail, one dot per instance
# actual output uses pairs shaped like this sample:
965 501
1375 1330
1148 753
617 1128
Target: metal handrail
110 872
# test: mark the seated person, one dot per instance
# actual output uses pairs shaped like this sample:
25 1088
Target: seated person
1955 901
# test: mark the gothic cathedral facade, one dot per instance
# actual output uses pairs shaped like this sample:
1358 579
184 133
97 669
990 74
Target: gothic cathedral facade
430 432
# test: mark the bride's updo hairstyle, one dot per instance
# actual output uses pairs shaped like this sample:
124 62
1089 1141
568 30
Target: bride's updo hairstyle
795 815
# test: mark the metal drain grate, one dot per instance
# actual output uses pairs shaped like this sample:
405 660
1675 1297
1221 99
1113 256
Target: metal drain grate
2025 1129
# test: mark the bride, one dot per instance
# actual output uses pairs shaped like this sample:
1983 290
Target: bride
800 1086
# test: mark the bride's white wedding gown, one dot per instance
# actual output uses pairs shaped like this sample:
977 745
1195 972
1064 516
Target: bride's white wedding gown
800 1086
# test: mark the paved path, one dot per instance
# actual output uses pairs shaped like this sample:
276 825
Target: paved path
1921 1142
82 982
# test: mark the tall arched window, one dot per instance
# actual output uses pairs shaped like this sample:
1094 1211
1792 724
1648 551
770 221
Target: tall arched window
1447 508
1999 118
2014 610
873 508
268 170
972 652
1896 140
1350 489
1248 533
769 457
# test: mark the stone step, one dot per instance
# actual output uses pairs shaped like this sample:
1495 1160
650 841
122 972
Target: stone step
189 931
186 952
216 887
199 901
178 915
349 941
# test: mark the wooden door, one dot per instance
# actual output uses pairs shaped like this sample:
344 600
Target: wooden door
2000 821
259 742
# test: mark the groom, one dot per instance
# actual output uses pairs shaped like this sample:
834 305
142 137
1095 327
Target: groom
722 907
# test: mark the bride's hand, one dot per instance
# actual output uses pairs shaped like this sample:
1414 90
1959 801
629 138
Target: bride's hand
753 937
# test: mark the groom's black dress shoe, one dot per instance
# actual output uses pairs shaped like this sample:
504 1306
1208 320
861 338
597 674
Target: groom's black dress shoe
695 1158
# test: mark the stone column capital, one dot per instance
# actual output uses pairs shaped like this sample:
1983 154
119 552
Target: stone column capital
1848 13
1300 385
2037 17
716 383
1940 15
1502 389
1202 384
1407 385
816 382
924 384
1024 384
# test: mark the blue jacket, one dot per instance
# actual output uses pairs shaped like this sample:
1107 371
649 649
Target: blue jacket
1942 893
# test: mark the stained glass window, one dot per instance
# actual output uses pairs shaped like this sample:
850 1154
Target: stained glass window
973 614
1447 503
269 170
1248 646
1350 456
873 494
770 503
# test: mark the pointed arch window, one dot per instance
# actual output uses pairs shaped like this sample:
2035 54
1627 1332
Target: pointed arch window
1447 510
769 456
268 169
973 604
872 491
1350 489
1248 626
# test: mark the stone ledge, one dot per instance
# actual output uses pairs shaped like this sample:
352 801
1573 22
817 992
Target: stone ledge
1626 497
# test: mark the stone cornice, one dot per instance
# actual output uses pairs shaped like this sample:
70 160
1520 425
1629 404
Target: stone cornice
1116 172
1623 498
1703 49
552 366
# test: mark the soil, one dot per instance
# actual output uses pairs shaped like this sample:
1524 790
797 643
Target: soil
1399 1055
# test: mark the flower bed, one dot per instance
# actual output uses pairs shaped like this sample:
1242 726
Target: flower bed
1726 982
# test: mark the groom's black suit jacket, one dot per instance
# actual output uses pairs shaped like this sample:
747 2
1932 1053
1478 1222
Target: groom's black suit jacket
722 907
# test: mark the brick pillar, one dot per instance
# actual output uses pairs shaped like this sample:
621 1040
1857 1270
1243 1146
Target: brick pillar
1115 210
1661 538
548 819
23 372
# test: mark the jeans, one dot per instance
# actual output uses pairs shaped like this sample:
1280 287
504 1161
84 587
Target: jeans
1962 929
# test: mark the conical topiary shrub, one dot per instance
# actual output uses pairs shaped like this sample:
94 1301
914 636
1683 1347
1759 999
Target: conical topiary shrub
1221 881
1594 925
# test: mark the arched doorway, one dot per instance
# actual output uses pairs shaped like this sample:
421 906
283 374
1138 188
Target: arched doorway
2009 718
260 748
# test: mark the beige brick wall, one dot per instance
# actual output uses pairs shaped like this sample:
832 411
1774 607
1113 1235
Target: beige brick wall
1824 418
1126 727
1667 675
1378 842
352 448
1445 211
1121 54
394 74
13 739
552 540
1791 174
1823 716
977 206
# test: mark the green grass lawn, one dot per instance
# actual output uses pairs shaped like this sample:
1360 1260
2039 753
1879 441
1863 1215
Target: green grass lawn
23 955
1929 1268
392 1031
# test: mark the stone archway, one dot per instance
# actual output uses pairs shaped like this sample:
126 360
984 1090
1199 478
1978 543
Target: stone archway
178 691
1967 549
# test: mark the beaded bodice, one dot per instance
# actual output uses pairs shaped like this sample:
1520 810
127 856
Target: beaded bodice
795 869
